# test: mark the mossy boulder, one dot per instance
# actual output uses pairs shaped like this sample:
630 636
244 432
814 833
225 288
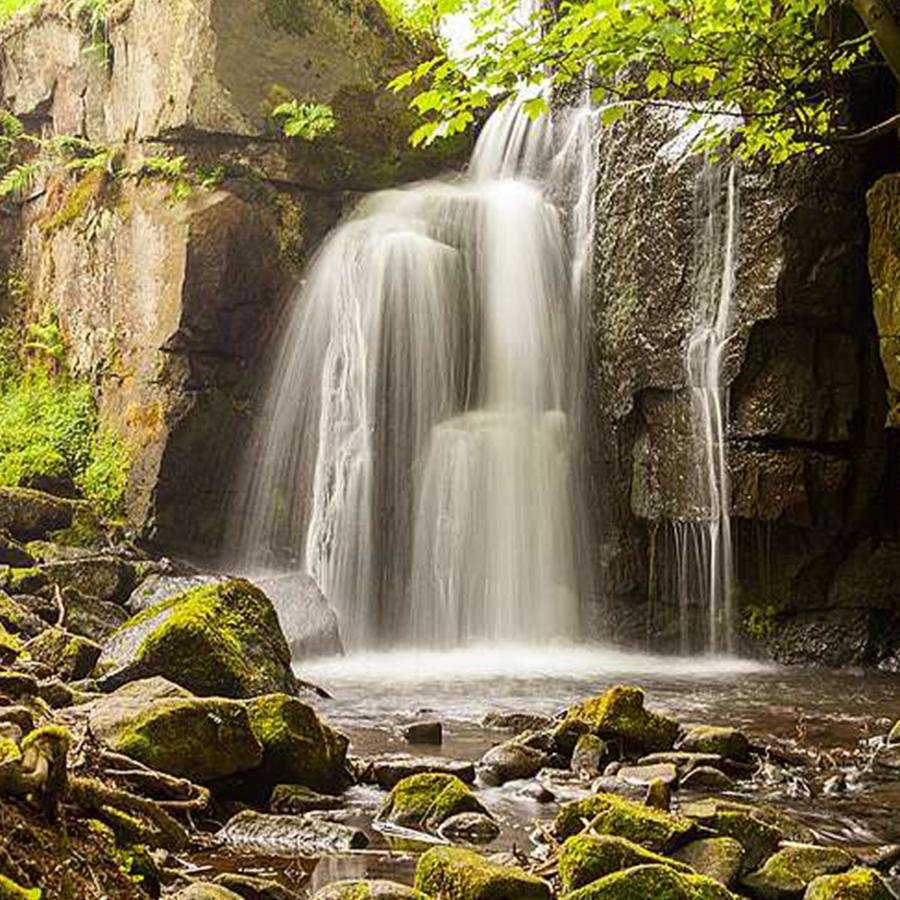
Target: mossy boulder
28 514
510 761
297 746
104 577
12 553
585 858
618 715
27 580
90 617
359 889
17 619
70 656
787 873
218 639
656 882
857 884
451 873
163 726
426 800
726 742
719 858
296 799
653 829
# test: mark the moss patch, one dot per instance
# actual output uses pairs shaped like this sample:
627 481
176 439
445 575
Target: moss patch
455 874
792 868
656 882
426 800
857 884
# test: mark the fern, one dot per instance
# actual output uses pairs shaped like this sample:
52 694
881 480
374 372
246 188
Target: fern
17 181
304 120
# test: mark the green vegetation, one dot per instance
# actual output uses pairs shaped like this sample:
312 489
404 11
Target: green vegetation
760 78
304 120
456 874
9 8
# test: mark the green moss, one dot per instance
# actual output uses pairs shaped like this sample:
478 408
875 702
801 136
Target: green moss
87 528
618 714
759 839
10 646
727 742
289 15
652 828
9 8
291 220
87 192
365 890
586 858
857 884
656 882
427 799
455 874
25 580
9 751
9 890
793 867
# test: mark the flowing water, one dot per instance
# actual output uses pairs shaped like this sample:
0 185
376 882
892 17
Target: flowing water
419 447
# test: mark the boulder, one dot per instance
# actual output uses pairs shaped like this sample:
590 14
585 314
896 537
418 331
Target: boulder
588 755
618 715
368 890
219 639
653 829
425 801
206 890
759 838
719 858
706 778
388 769
306 835
297 746
104 577
511 761
857 884
159 587
249 887
70 656
19 619
653 881
90 617
469 828
163 726
786 874
296 799
28 514
726 742
12 553
453 872
644 776
586 858
424 733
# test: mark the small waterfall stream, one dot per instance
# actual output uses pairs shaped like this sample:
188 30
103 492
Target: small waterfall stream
419 442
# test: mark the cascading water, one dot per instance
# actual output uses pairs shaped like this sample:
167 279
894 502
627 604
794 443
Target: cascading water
418 443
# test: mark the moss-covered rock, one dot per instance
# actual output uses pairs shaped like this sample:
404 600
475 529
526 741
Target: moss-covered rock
17 619
426 800
10 646
218 639
296 799
90 617
618 715
104 577
653 829
719 858
656 882
163 726
298 746
585 858
787 873
359 889
27 580
206 890
726 742
12 553
512 760
450 873
70 656
857 884
28 514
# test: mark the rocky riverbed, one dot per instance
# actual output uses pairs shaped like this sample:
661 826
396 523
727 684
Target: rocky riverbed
156 740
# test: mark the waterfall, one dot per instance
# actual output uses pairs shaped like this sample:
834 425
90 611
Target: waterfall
419 440
705 544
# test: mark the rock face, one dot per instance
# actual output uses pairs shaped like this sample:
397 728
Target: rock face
166 303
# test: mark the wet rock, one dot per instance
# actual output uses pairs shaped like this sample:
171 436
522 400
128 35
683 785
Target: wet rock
653 829
17 685
59 695
618 715
787 873
511 761
744 823
612 784
517 722
875 856
645 775
857 884
250 887
368 890
159 587
588 755
43 607
304 835
20 716
707 779
652 881
685 762
613 768
719 858
69 656
297 799
470 828
427 800
206 890
584 859
424 733
727 742
12 553
104 577
454 872
90 617
537 792
28 514
387 769
163 726
219 639
297 745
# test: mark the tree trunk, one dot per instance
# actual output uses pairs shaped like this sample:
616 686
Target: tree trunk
877 18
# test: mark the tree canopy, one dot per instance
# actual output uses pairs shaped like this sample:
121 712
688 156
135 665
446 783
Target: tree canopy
765 77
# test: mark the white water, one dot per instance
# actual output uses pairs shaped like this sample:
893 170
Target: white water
419 444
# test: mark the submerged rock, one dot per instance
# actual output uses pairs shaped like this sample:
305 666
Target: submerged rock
586 858
652 881
787 873
163 726
469 827
653 829
719 858
218 639
857 884
427 800
297 799
452 872
618 715
368 890
726 742
511 761
388 769
292 835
